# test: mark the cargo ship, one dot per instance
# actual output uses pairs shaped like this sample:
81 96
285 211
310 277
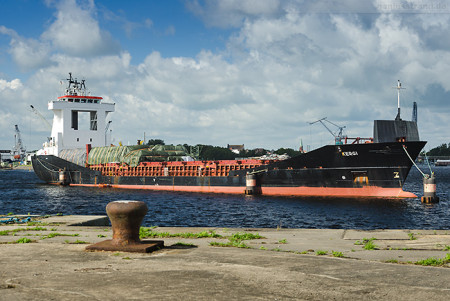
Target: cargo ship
352 167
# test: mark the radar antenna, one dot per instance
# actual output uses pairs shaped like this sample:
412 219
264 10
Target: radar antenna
75 87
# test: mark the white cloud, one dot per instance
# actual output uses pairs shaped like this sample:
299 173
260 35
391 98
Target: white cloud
282 68
15 84
76 31
28 54
231 13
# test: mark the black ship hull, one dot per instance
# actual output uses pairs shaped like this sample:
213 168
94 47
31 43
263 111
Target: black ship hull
350 170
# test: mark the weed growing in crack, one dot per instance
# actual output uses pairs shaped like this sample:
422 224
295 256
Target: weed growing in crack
337 254
411 236
434 261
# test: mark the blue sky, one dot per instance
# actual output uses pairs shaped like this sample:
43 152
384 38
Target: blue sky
228 72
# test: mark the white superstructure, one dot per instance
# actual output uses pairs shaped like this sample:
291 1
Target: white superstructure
78 120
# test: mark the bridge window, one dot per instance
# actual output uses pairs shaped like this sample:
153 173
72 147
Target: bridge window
84 120
93 124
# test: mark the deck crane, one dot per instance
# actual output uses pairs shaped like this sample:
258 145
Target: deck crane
337 137
35 111
19 150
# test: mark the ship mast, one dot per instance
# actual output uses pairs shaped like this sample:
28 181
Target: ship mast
399 87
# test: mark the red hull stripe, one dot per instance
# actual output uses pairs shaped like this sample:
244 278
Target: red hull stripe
80 97
368 191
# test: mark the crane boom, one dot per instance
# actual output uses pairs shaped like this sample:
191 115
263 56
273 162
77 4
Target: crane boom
35 111
320 120
341 128
337 138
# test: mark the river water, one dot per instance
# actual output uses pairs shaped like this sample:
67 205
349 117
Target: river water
21 192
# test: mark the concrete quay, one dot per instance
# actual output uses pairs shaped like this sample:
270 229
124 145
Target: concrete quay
283 265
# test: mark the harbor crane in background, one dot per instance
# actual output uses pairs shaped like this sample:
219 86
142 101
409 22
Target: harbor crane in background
337 137
414 112
35 111
19 151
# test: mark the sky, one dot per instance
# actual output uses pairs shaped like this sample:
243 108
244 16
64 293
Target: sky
252 72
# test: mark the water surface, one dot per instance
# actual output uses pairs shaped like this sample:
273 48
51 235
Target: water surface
21 192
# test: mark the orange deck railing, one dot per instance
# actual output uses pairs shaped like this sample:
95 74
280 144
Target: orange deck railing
219 168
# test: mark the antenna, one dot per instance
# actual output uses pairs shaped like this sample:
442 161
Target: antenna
70 79
399 87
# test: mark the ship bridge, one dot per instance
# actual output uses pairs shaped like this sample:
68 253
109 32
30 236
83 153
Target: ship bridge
79 119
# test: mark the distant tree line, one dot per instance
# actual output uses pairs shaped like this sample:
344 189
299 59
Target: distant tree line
155 142
289 151
442 150
209 152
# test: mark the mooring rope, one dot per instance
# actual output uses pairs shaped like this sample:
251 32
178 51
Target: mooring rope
51 170
423 174
43 165
428 162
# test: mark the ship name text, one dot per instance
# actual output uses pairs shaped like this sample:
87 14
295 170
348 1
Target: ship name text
348 154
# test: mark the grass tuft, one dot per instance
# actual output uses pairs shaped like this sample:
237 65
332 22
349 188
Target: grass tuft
55 234
236 244
411 236
245 236
150 233
368 243
7 232
23 240
79 242
236 240
431 261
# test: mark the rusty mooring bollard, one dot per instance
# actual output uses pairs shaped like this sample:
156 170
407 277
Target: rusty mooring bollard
429 190
126 218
